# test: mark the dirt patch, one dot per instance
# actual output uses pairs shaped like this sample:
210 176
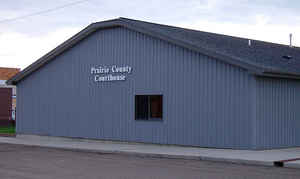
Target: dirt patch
7 135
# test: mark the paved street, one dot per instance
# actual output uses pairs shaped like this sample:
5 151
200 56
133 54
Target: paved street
24 162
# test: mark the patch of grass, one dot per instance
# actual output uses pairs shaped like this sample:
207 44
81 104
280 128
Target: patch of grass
7 130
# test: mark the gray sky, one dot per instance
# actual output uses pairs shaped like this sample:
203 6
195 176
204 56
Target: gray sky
25 40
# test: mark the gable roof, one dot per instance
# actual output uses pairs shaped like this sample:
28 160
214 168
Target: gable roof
7 73
261 58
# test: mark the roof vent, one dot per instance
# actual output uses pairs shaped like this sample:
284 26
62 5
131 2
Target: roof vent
291 38
287 57
249 43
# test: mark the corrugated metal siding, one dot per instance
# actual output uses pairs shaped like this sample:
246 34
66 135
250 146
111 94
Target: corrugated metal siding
206 102
278 114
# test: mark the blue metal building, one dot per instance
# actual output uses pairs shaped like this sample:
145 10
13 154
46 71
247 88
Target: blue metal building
129 80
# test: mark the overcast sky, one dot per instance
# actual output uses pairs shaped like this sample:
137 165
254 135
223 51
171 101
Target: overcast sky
24 40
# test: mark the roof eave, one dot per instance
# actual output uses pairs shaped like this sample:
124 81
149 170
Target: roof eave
277 75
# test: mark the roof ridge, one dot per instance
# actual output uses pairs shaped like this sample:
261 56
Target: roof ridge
126 20
10 68
211 33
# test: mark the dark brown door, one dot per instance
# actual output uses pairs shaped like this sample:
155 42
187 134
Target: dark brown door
5 105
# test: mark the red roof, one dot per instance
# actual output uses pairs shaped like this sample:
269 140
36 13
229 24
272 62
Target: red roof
7 73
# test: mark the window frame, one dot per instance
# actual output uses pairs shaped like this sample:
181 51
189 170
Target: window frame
149 113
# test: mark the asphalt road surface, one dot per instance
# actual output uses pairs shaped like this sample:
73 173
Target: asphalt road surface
24 162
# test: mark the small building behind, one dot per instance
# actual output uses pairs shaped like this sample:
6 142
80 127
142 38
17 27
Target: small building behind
7 96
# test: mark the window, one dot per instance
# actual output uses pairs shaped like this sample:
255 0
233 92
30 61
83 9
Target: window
148 107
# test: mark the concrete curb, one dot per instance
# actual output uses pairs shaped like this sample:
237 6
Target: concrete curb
153 155
292 165
145 154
